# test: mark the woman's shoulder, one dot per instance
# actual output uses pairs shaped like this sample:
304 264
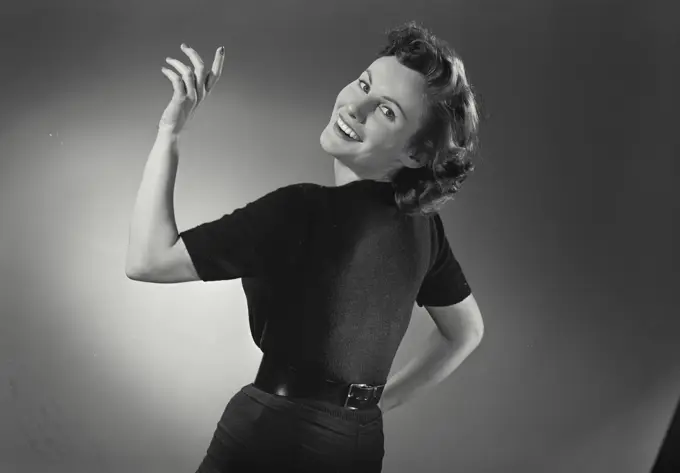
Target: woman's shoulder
295 197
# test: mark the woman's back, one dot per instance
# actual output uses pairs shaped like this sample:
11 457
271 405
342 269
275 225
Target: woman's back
334 307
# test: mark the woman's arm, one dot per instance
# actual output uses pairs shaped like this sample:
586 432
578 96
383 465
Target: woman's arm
155 251
458 332
153 230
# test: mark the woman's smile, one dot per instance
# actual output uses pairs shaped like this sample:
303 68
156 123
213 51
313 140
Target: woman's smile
344 131
368 130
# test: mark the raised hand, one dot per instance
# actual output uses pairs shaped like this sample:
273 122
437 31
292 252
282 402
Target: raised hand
191 87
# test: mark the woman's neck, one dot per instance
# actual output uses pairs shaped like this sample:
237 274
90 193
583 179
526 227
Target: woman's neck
344 175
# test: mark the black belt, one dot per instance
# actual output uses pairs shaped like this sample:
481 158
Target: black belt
282 379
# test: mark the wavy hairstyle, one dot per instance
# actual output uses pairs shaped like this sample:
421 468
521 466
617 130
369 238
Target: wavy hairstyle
447 137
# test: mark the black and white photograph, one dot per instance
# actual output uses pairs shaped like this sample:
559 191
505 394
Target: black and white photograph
356 237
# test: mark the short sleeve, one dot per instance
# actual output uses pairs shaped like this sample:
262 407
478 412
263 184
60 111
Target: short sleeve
444 284
263 237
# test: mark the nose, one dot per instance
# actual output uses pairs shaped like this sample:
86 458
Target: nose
358 110
353 112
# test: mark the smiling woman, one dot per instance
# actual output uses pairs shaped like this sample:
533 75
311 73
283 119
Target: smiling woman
382 125
415 116
331 274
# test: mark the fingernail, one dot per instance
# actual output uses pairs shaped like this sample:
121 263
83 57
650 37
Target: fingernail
183 46
222 50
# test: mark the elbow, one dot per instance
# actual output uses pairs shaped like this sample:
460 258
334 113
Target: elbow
476 327
135 269
478 330
137 263
474 334
468 338
479 335
134 273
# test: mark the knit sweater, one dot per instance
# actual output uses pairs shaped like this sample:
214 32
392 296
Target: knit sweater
330 274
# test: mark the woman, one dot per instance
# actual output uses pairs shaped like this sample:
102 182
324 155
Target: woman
331 274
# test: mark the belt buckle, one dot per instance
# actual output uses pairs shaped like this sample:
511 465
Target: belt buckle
357 394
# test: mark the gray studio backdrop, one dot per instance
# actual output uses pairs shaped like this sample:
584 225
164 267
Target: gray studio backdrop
565 232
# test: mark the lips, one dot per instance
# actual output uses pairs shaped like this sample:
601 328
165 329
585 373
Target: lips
344 122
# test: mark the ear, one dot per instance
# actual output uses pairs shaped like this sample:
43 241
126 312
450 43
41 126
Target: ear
411 161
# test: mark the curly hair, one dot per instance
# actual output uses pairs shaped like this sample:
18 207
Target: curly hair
447 137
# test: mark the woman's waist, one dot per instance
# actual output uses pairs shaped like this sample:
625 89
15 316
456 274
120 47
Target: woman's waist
284 376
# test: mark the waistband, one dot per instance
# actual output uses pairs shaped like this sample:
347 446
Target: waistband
312 406
279 378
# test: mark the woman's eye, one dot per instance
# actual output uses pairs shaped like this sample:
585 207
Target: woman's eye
386 110
388 113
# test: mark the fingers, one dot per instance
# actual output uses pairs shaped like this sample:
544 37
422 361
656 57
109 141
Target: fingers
197 82
177 83
194 84
199 71
216 71
188 77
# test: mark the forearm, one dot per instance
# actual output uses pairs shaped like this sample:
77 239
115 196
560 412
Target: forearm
439 359
153 226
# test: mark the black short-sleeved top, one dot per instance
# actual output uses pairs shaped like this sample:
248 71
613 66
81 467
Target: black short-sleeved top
331 274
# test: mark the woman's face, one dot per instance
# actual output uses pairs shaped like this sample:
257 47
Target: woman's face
382 109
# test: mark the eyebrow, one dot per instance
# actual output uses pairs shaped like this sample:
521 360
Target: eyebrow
370 81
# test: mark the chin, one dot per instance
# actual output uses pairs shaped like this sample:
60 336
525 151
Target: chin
322 140
328 144
335 148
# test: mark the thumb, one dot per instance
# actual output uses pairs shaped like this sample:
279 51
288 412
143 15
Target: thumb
216 70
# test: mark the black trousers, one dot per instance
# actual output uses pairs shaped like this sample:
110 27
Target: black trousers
263 432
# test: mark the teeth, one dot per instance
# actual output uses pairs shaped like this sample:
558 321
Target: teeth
347 129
